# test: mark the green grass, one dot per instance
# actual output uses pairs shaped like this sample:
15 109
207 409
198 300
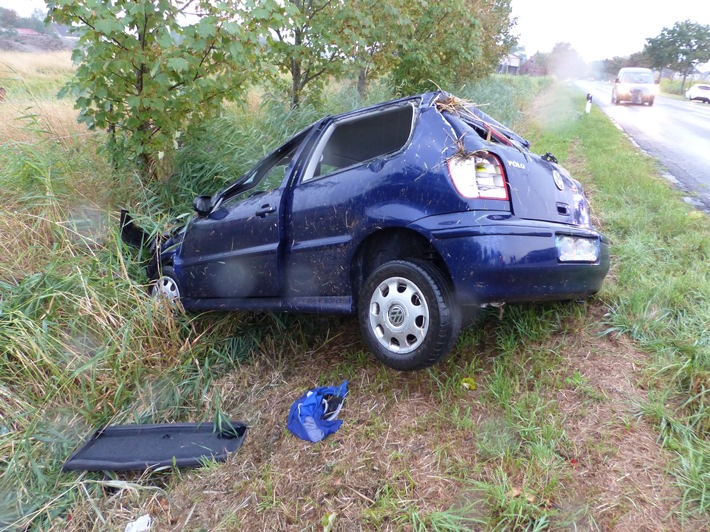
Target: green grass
676 87
27 76
659 294
82 345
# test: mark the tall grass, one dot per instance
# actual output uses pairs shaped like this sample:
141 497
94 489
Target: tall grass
31 76
659 292
675 86
82 345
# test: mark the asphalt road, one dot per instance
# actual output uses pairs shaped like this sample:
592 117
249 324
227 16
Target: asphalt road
674 132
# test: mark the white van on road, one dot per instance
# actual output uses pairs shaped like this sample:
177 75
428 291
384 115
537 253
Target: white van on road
634 85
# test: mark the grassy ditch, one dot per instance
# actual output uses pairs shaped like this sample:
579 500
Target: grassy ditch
587 415
659 291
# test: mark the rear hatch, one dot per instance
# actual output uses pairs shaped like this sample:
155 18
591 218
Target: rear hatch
538 187
542 190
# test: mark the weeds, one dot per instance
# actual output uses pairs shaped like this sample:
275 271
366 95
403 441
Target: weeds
82 345
661 293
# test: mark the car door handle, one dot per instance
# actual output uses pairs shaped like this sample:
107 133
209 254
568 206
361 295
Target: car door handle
264 210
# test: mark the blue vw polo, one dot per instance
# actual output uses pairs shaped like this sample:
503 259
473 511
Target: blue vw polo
411 214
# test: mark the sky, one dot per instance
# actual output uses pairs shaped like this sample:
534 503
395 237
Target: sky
599 29
24 8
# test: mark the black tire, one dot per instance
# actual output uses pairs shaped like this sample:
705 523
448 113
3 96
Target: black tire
164 284
650 101
417 295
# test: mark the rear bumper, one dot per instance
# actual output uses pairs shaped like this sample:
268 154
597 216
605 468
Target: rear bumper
517 260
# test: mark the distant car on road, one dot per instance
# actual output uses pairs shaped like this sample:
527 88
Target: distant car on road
634 85
699 92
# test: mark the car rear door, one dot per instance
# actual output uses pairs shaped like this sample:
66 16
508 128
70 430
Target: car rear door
348 174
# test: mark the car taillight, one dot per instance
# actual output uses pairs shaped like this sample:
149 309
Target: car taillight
478 175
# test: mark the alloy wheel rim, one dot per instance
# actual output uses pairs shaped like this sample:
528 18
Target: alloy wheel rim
166 287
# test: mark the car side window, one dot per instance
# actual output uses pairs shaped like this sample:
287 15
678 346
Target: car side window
358 139
270 177
267 175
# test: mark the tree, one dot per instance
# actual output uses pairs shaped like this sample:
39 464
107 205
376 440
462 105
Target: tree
421 43
312 43
8 18
453 41
612 66
680 48
495 32
383 24
145 73
638 59
428 44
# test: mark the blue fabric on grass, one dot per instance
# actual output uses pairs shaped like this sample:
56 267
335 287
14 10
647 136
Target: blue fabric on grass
312 416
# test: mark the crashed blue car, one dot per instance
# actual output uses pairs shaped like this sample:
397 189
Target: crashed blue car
412 214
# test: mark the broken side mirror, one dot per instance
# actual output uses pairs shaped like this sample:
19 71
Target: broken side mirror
202 205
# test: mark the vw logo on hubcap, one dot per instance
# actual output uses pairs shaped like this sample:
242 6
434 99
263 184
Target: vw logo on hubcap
396 315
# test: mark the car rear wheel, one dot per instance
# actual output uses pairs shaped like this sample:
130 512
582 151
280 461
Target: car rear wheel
165 286
407 315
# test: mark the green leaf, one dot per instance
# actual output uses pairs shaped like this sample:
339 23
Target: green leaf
178 64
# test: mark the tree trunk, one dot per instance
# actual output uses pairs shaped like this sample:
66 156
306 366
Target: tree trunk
296 73
295 83
362 82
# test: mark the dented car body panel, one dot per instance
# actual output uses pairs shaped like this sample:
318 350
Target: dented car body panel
428 179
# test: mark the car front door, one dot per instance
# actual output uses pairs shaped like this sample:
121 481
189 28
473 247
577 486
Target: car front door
234 251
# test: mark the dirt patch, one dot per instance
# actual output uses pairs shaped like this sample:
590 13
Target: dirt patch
409 447
621 473
381 456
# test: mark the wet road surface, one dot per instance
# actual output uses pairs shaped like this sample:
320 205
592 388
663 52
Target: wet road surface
674 132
